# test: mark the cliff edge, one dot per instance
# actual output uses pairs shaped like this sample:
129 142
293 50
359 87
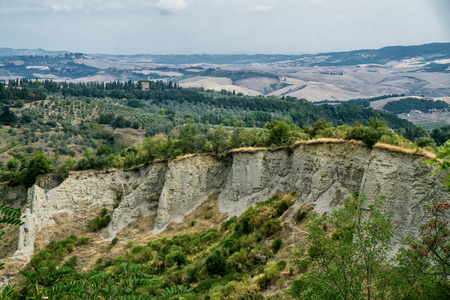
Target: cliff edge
323 173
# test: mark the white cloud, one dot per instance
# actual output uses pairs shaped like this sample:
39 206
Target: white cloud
170 6
259 8
87 6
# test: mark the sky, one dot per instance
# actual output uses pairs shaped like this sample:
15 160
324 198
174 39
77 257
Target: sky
221 26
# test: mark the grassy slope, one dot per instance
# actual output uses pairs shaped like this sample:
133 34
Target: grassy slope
254 268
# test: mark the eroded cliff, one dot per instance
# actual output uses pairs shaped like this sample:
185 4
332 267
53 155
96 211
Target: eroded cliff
323 173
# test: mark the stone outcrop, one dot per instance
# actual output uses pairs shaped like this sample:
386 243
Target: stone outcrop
323 174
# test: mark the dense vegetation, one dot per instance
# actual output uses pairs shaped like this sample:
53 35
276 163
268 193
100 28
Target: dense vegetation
441 135
365 102
214 108
407 104
98 125
187 139
87 124
345 257
247 256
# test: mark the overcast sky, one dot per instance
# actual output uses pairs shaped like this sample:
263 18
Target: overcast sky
221 26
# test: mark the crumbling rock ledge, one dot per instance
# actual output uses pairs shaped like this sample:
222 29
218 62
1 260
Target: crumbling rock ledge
323 173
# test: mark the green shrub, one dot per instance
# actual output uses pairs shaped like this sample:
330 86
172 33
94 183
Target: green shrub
100 221
270 227
114 241
313 251
282 207
72 262
263 281
300 215
297 288
231 245
276 245
118 260
137 249
244 226
281 265
193 273
271 275
177 257
209 235
303 265
119 195
130 244
70 247
82 241
216 264
371 136
205 285
109 262
228 224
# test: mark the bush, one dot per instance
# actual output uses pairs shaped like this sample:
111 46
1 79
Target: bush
281 265
303 265
228 223
276 245
109 262
82 241
231 245
100 221
73 261
297 288
270 227
118 260
216 264
137 249
371 137
313 251
271 275
244 226
177 257
282 207
300 215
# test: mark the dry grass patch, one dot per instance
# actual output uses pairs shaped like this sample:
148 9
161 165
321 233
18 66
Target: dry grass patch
248 150
416 151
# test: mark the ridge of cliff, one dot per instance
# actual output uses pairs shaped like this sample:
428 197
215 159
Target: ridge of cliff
323 173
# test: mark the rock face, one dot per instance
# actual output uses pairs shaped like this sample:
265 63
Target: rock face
323 173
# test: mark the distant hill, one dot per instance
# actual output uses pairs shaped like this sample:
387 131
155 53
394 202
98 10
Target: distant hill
346 58
428 52
26 52
333 76
381 56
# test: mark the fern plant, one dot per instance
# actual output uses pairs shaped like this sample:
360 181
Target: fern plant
174 290
9 215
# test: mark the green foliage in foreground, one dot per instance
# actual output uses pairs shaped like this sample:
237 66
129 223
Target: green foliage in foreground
9 216
349 262
346 258
230 263
347 255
